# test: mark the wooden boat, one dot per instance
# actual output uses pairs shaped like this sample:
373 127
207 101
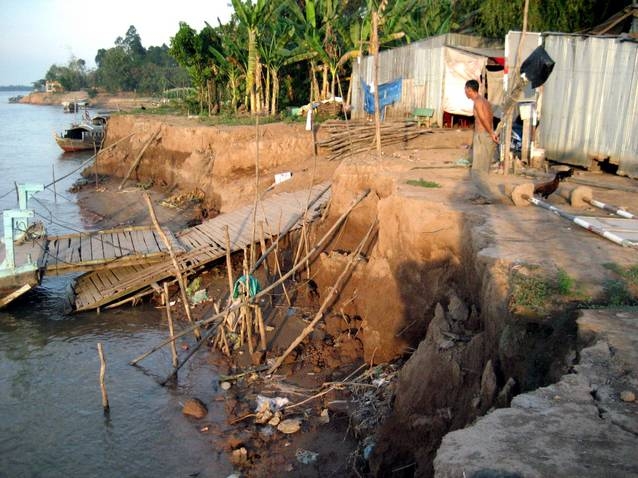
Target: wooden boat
83 136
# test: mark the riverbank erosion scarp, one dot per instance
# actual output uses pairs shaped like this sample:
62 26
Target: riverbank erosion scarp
477 296
219 161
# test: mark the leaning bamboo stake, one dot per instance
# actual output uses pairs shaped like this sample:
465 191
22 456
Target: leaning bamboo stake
262 244
138 158
334 293
264 291
229 264
278 266
262 327
178 272
170 325
105 397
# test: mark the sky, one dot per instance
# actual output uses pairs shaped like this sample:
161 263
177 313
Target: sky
35 34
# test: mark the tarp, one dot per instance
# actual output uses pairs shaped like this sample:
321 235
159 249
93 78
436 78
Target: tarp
460 66
388 93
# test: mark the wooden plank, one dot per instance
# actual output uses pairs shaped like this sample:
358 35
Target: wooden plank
107 246
140 244
126 243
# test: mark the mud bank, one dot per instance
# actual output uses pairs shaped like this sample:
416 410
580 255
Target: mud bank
218 161
466 289
449 284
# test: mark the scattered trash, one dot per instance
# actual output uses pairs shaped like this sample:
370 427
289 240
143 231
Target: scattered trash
289 426
225 385
244 281
306 456
268 408
239 456
324 417
368 449
203 429
627 396
199 296
281 177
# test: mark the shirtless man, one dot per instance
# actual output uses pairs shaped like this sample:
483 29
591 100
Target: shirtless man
485 139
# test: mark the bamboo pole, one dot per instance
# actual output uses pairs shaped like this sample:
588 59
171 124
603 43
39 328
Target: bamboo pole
105 397
55 193
328 301
264 291
262 244
229 264
178 272
170 325
138 158
374 48
290 225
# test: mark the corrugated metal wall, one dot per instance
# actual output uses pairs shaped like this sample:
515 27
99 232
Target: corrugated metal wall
421 66
590 102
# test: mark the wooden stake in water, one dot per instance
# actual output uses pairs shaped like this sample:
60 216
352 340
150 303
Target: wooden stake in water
105 397
55 194
167 304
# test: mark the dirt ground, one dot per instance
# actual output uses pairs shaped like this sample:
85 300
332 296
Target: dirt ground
444 244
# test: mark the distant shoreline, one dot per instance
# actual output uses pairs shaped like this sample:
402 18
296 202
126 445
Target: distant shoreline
118 101
16 88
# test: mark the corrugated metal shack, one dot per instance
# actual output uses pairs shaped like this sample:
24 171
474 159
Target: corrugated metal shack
589 107
422 67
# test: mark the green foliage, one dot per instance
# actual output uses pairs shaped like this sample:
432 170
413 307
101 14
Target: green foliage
617 293
622 290
422 183
532 290
494 18
72 76
564 283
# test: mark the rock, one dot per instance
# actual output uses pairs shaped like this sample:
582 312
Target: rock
627 396
457 309
289 426
239 457
488 386
194 407
324 417
505 395
275 420
225 385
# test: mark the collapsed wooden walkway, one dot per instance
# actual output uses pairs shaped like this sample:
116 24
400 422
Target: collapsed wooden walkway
113 248
199 246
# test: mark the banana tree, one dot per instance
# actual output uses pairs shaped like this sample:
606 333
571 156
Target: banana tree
230 55
253 16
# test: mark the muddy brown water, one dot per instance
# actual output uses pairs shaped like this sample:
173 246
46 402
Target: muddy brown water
51 418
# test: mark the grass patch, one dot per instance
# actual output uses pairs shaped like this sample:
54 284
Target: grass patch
422 183
564 283
533 291
624 289
530 291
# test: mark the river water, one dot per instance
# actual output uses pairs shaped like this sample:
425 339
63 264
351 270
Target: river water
51 418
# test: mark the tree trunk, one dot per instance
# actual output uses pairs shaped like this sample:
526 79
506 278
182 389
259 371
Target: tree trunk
275 92
250 73
267 91
314 84
259 90
324 80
